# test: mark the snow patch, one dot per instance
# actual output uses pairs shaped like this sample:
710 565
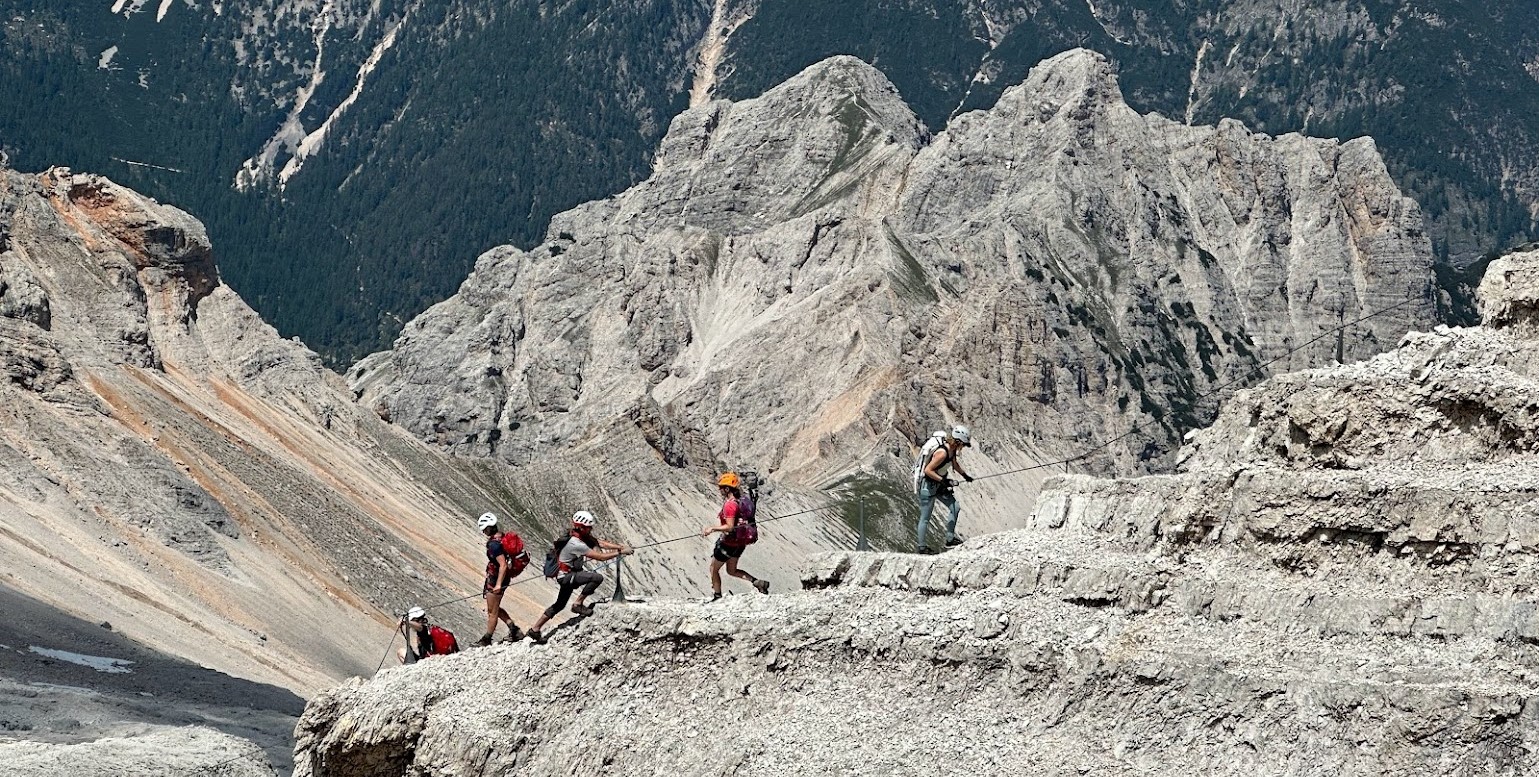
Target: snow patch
99 663
104 62
129 7
74 689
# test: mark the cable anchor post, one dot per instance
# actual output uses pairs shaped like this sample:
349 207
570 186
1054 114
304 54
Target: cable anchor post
619 594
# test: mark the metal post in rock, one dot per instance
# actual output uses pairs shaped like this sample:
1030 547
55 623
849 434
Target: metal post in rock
863 543
619 594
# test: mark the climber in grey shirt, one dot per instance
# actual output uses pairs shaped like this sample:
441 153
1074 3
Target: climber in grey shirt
570 575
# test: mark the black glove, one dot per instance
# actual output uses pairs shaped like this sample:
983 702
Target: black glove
968 478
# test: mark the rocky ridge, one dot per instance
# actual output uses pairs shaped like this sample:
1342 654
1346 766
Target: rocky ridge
1335 582
1052 271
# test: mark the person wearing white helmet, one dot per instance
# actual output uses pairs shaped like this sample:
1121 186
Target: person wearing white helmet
937 439
424 640
936 486
501 567
569 554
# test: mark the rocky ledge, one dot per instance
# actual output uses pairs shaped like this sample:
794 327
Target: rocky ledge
1338 581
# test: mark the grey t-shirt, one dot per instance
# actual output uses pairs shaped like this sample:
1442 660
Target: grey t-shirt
573 554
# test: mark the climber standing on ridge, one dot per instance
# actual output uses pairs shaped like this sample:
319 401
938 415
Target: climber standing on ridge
738 530
505 558
936 486
422 639
565 562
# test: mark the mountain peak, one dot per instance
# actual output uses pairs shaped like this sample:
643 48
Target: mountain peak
837 127
1075 77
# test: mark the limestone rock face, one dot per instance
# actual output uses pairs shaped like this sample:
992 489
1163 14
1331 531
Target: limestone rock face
189 751
168 463
809 280
1338 580
1509 291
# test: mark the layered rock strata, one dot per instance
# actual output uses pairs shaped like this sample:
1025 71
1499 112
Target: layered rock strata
171 465
810 279
1338 581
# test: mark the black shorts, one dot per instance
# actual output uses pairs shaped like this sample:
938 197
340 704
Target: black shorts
725 553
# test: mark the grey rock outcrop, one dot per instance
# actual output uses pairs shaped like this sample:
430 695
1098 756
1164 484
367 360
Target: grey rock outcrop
170 464
1337 581
808 281
163 752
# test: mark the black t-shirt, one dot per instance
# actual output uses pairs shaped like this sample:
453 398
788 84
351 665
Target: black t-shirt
493 550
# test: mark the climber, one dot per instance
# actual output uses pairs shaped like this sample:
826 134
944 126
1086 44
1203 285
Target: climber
423 640
738 530
505 558
565 563
937 486
937 439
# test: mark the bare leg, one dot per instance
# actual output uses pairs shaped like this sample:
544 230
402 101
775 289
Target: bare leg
716 577
493 609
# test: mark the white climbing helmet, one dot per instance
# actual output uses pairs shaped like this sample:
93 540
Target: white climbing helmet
416 614
486 520
583 518
962 435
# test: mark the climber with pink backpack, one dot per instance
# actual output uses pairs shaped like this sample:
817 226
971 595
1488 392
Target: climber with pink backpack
738 528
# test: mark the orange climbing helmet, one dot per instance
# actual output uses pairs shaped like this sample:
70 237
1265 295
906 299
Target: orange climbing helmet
730 479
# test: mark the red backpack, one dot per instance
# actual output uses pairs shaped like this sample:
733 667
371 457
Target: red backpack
441 642
513 545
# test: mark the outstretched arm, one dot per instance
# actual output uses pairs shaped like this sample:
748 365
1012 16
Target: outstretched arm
956 464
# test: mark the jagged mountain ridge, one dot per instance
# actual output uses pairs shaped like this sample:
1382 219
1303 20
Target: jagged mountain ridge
1337 582
407 110
1051 271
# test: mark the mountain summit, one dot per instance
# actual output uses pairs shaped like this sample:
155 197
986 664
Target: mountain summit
808 281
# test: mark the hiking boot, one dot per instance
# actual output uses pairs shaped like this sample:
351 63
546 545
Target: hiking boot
514 634
485 640
762 585
954 541
924 550
535 636
583 609
714 599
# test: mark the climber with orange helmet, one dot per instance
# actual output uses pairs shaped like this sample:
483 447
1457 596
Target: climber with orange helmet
738 528
564 562
936 486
